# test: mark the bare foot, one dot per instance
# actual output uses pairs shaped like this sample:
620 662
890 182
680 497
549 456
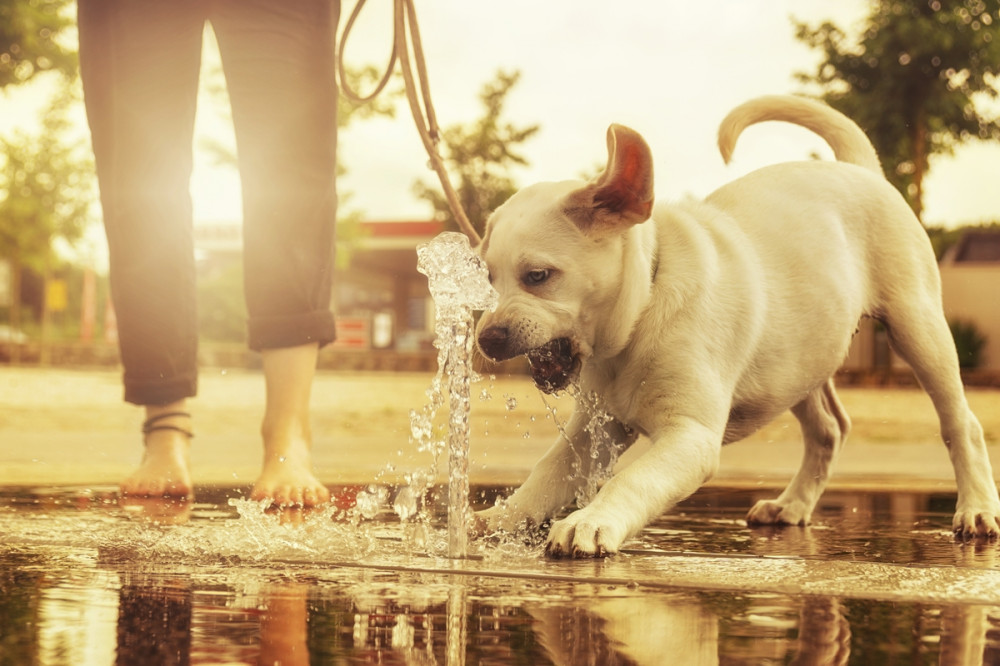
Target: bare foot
163 471
286 477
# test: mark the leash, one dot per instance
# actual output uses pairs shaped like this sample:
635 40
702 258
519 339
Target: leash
405 17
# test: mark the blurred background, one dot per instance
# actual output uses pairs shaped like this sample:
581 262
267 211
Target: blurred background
524 94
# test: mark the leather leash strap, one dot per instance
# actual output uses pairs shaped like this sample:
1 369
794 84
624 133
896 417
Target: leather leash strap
404 23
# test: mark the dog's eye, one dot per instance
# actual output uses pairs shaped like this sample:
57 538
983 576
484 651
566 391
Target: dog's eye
536 277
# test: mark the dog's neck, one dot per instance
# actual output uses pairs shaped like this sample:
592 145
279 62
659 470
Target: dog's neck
655 260
640 263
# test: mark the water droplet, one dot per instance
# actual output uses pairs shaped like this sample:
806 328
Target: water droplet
418 536
367 503
511 402
405 504
282 459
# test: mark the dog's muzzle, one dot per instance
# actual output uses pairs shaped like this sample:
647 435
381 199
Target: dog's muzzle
553 365
495 343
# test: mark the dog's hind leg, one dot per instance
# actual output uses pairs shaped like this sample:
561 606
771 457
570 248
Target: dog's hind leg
919 333
824 428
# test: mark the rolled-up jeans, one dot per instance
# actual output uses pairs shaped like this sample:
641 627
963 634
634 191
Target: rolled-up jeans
140 62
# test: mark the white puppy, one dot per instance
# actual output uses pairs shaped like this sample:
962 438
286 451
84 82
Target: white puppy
701 325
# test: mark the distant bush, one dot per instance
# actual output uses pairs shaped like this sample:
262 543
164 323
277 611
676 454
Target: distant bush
222 312
969 341
943 239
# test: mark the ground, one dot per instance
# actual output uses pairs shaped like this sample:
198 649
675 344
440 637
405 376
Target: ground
69 426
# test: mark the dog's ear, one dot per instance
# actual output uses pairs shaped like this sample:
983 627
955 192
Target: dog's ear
623 194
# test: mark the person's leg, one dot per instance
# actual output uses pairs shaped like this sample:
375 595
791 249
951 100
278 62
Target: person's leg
164 470
279 65
286 477
139 64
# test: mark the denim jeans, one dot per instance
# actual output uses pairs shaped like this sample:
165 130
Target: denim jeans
140 63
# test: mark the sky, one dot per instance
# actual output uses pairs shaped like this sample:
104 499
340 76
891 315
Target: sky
671 70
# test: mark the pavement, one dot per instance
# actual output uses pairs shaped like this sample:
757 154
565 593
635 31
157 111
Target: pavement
724 594
69 427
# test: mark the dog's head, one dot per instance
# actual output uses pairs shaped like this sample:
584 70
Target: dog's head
555 255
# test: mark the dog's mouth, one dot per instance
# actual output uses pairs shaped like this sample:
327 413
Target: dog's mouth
553 365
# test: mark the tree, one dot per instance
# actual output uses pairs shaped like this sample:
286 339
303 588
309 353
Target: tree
912 80
29 32
46 191
479 156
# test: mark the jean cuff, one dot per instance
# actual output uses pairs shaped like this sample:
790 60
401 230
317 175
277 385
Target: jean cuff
160 391
291 330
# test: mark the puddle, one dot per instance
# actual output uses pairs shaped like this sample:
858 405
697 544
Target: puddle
903 528
877 579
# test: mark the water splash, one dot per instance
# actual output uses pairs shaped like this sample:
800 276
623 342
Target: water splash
603 450
369 501
459 284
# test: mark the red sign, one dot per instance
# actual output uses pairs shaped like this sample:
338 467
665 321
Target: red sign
353 333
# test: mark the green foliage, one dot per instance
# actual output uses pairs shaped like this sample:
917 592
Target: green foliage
349 232
943 239
970 343
912 79
29 32
479 156
46 190
222 312
383 105
46 187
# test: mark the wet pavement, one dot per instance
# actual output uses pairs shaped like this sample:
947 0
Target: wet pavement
86 578
878 579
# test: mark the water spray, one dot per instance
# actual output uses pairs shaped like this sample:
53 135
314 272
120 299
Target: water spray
459 284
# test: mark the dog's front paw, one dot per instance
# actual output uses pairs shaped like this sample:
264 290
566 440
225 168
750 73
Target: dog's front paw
502 519
773 512
584 534
974 523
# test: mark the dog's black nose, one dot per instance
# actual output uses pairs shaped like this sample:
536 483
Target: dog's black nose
493 342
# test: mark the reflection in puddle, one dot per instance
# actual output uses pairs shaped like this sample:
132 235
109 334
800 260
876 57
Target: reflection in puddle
84 580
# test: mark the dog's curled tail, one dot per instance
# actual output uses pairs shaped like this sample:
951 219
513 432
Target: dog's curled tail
849 142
